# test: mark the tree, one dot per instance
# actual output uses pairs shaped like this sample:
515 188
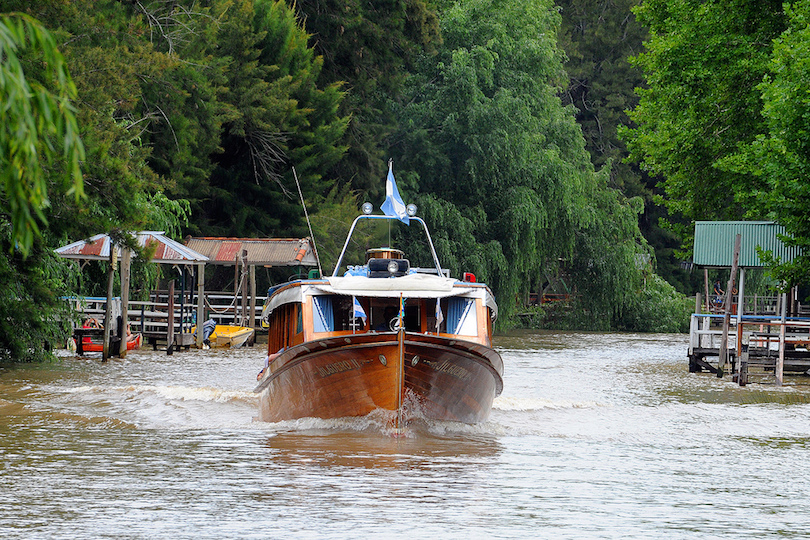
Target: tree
779 158
369 48
703 62
279 117
500 166
37 127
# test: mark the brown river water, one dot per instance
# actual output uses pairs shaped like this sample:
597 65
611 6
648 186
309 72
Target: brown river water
594 436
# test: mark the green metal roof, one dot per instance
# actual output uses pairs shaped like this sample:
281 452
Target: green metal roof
714 242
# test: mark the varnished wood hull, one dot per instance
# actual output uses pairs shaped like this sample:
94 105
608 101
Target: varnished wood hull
430 376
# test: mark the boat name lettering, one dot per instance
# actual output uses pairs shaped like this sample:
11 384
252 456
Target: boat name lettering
340 367
452 370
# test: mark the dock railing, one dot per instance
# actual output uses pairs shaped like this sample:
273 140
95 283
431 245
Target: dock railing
151 317
754 341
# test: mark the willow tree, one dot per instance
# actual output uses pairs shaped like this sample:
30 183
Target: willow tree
37 126
499 165
38 135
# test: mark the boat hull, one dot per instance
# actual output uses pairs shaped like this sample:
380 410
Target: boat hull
227 335
230 336
416 375
133 343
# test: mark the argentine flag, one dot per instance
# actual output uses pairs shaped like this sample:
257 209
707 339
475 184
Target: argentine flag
359 312
439 315
393 205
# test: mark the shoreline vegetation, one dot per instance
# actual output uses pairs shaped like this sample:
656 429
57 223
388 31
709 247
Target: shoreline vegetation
529 135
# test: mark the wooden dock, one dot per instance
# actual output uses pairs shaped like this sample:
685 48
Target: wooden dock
760 348
165 321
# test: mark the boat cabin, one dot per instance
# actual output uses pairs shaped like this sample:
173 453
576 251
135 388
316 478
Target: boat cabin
309 310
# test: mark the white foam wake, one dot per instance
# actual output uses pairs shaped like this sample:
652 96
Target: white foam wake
509 403
179 393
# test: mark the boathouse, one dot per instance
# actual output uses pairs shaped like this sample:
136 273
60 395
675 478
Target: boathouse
169 315
762 332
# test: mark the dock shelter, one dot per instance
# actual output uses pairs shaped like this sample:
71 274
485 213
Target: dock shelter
242 253
103 247
736 245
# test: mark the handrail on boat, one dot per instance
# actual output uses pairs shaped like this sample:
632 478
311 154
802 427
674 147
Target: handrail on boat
414 218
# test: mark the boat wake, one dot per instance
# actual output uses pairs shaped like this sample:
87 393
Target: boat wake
180 393
504 403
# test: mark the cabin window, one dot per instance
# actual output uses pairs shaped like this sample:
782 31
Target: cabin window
299 325
323 314
461 317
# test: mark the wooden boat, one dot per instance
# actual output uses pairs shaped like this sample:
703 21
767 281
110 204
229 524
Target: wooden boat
432 359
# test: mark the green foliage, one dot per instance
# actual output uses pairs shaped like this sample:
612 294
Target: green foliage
37 127
369 47
280 117
703 62
500 165
657 307
780 157
33 318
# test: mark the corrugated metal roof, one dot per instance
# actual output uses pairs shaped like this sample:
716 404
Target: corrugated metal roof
167 250
714 243
260 251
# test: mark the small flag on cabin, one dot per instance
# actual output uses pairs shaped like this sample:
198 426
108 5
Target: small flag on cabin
439 315
394 206
359 312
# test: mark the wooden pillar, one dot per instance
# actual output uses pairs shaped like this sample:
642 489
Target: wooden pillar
105 351
170 320
740 312
126 258
200 302
235 286
243 288
727 310
779 371
706 289
697 303
252 296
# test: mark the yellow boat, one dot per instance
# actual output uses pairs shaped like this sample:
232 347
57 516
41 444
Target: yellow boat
228 335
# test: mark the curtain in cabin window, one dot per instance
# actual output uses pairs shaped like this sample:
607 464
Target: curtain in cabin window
323 313
461 318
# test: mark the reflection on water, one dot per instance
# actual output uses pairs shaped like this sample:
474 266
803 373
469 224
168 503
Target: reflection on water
595 436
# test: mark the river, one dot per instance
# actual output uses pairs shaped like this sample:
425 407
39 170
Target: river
594 436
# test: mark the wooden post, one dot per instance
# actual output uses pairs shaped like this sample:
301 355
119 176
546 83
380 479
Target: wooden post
706 290
170 321
727 310
200 302
697 303
105 351
182 302
243 288
126 258
235 285
779 371
252 297
740 311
